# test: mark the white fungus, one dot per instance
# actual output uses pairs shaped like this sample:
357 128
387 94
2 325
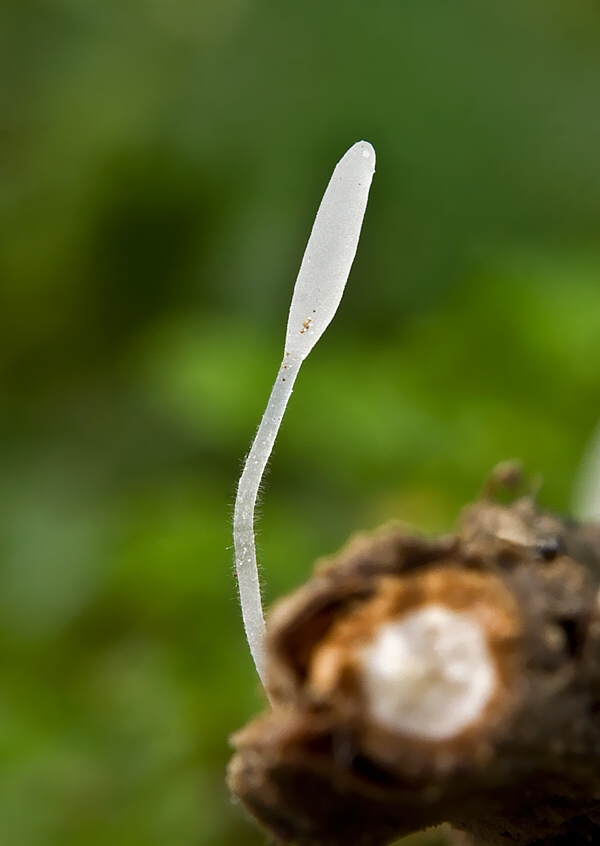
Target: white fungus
428 674
319 287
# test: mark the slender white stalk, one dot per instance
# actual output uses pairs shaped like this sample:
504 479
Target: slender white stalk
319 287
245 504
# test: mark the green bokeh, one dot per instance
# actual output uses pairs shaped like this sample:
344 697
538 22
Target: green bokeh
160 165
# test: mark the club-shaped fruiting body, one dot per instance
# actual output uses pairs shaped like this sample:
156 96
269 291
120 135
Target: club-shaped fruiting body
319 287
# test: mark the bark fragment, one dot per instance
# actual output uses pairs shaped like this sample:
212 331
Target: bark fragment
320 769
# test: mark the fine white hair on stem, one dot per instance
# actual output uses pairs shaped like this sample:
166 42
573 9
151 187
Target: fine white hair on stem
319 287
586 494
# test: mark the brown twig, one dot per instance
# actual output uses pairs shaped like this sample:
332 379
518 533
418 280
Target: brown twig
345 759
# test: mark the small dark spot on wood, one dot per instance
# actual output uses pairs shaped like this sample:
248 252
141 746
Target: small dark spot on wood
508 559
550 547
367 769
572 630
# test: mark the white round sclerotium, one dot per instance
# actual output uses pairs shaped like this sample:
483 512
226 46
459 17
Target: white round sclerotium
428 674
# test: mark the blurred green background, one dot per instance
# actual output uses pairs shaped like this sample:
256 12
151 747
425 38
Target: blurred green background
161 162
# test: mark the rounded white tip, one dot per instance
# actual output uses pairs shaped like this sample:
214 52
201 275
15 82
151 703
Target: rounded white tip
330 250
429 674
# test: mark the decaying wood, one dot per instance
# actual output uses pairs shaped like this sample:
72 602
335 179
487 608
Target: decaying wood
316 771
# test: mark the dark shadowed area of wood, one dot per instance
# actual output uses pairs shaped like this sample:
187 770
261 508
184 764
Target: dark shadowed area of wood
527 773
